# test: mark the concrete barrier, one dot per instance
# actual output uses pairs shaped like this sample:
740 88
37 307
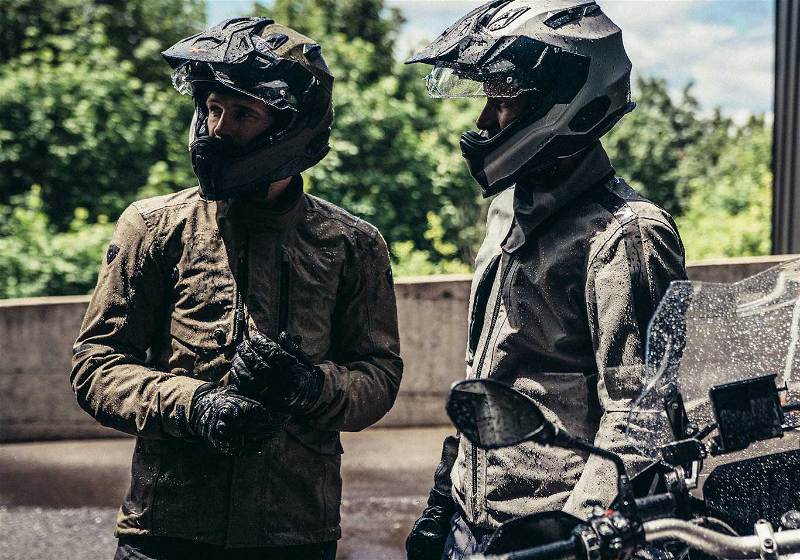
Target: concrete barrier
36 336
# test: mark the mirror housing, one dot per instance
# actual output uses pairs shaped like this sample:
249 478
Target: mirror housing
491 415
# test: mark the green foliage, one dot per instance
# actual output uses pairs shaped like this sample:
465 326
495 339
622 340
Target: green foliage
87 130
649 144
136 29
711 174
362 21
728 213
36 260
85 109
414 262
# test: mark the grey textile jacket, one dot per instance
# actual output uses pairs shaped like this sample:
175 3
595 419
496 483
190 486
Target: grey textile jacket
565 283
179 272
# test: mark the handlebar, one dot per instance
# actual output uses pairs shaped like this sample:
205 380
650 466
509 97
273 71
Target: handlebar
650 507
569 549
653 507
671 529
717 544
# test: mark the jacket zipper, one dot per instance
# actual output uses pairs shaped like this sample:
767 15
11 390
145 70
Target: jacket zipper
283 293
239 328
495 313
242 279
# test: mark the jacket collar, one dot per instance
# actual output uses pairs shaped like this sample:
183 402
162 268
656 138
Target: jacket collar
254 213
537 199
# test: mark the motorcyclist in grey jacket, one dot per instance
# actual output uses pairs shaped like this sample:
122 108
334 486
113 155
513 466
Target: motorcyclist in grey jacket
572 266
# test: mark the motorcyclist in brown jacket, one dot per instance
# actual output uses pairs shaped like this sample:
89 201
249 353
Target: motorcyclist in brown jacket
572 266
237 327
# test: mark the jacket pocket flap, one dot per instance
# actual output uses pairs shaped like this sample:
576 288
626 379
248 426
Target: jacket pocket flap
322 442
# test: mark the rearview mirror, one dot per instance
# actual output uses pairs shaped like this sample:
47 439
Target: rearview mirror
491 414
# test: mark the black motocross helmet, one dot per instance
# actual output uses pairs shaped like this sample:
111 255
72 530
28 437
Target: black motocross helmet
566 54
269 62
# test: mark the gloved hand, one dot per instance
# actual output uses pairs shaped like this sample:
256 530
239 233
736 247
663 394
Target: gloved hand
428 535
230 423
279 375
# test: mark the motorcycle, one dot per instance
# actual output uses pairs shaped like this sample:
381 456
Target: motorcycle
718 416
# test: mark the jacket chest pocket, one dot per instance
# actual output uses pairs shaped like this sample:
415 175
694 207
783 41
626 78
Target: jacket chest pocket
307 291
200 321
199 350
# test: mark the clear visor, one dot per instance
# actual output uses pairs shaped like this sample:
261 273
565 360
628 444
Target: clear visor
275 93
446 83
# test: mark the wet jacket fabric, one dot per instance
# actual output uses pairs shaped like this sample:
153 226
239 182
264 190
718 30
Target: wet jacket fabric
183 281
569 273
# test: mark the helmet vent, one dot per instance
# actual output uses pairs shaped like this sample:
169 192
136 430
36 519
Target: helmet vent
275 40
571 15
506 18
492 10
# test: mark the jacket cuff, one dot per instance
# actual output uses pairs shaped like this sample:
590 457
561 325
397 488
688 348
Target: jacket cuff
177 394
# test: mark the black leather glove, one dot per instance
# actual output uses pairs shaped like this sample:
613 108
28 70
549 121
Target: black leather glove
230 423
279 375
428 535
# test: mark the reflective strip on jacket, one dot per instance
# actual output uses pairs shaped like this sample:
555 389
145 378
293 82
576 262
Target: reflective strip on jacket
565 281
162 321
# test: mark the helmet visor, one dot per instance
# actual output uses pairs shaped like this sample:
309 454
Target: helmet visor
444 83
276 93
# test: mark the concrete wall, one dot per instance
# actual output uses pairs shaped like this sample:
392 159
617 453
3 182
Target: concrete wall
36 336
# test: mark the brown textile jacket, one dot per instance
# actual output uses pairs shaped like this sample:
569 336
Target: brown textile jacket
565 283
163 320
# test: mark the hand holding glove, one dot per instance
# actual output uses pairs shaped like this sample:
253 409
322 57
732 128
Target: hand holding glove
279 375
230 423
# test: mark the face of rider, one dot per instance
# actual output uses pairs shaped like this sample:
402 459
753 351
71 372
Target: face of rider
241 119
499 112
237 117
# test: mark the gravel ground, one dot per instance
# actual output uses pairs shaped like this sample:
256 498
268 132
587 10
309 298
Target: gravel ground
35 533
59 499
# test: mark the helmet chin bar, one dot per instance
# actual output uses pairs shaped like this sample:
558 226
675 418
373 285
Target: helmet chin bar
225 170
523 158
506 150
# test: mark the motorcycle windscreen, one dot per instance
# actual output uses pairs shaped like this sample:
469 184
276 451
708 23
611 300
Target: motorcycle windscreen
731 353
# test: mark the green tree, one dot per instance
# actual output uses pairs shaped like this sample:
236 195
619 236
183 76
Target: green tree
649 145
37 260
711 174
360 21
728 211
81 113
136 29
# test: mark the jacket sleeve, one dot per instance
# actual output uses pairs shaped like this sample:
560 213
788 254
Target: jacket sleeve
363 376
109 375
624 282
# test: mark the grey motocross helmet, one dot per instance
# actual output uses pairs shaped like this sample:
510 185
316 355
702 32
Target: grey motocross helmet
269 62
567 54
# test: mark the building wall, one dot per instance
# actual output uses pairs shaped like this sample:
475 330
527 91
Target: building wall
36 336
